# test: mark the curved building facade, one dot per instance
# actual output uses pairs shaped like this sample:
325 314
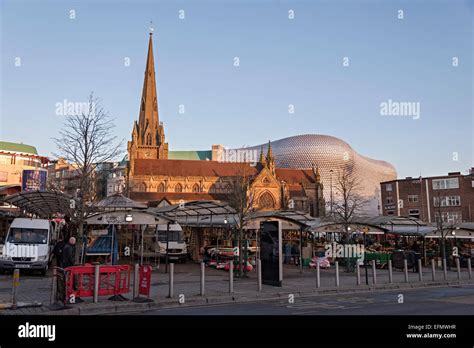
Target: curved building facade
330 153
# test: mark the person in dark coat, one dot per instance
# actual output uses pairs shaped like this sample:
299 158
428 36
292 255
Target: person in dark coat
58 252
68 253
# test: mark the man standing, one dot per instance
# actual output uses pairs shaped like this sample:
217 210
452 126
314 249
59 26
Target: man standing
58 252
68 253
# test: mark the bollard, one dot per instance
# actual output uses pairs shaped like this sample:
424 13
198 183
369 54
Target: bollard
358 273
390 274
203 279
136 280
405 269
53 286
433 270
458 267
259 275
336 263
445 270
16 283
96 283
374 272
318 275
469 267
420 270
231 276
171 292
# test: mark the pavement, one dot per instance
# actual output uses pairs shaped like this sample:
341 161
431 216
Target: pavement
187 287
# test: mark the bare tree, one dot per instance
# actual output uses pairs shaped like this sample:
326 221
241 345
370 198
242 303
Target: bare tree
241 199
86 139
347 203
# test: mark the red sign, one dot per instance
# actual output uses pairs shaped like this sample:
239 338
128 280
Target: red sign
145 281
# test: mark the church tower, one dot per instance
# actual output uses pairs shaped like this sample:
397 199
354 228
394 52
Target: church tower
148 135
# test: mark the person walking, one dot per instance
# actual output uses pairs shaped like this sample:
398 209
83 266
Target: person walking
68 253
58 252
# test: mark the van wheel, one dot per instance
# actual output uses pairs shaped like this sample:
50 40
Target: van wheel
44 270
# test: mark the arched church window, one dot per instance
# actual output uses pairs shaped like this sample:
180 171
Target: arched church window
178 188
142 187
266 201
161 188
212 189
196 188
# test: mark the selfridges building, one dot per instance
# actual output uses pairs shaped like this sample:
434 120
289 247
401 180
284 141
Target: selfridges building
330 153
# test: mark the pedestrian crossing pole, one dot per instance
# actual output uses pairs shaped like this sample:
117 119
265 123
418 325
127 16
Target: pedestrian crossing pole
337 272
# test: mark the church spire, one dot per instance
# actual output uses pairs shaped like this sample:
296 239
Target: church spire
149 120
270 159
262 156
148 134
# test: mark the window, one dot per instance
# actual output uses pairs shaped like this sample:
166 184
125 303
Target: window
447 201
161 188
212 189
414 212
449 217
3 176
266 201
388 187
389 200
412 198
390 212
178 188
228 188
196 188
444 184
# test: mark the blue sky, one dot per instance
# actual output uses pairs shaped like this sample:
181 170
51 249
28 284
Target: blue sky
282 62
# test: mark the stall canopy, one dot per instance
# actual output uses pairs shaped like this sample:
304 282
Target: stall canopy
301 220
377 224
118 202
198 213
43 204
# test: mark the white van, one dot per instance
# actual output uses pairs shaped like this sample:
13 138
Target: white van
173 237
28 245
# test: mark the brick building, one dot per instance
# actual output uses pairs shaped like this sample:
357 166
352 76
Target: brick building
450 197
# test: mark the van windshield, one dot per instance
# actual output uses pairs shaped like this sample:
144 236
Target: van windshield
173 236
27 235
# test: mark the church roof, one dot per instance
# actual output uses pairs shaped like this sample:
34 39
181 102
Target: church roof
214 168
295 176
191 168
